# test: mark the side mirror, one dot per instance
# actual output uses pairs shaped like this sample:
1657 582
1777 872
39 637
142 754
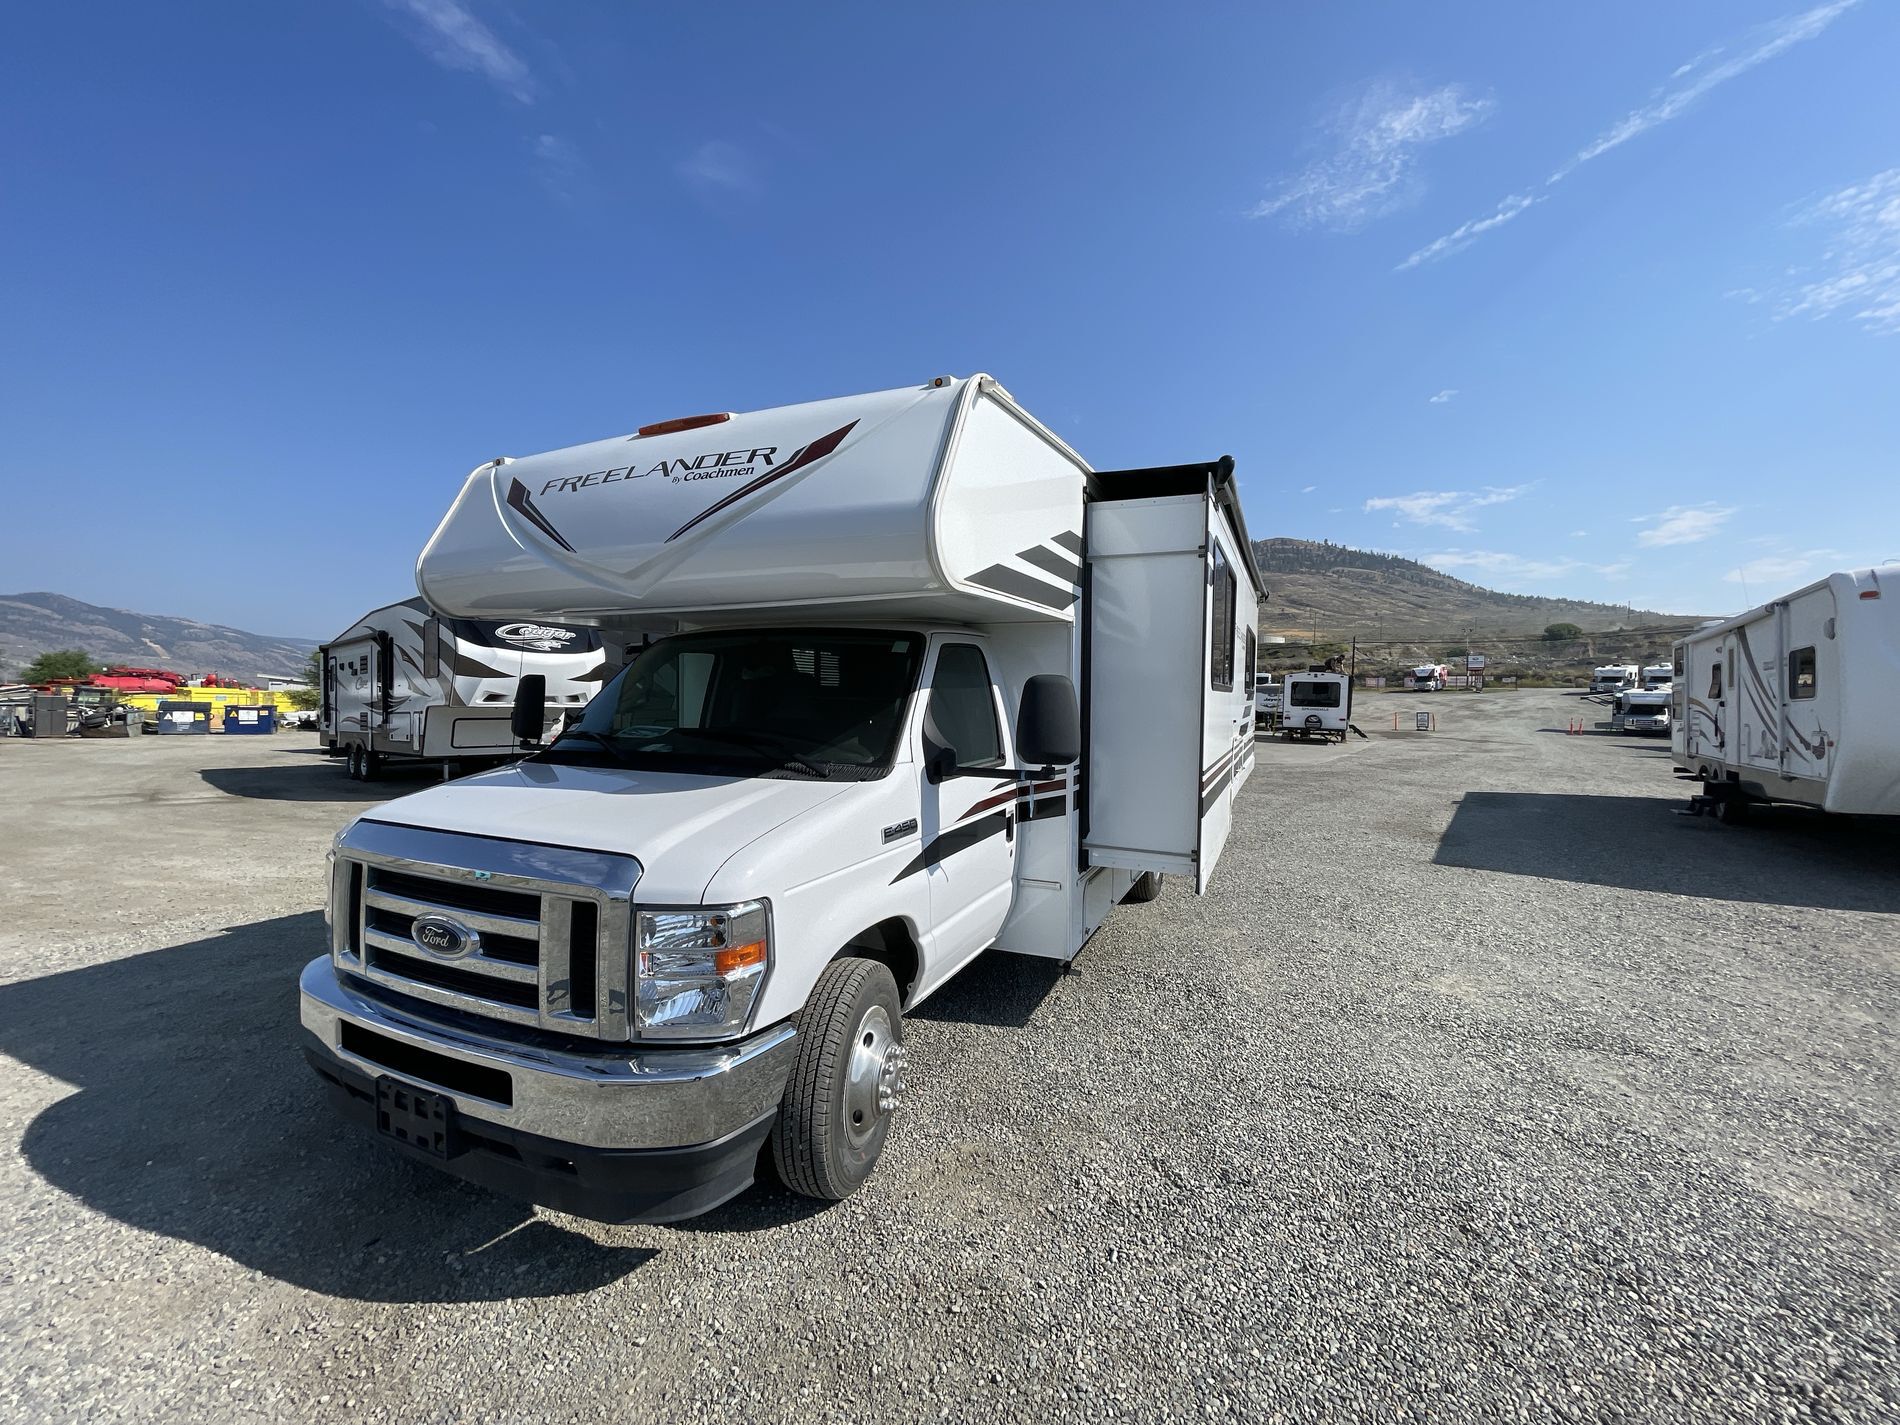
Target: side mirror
1048 725
942 765
530 714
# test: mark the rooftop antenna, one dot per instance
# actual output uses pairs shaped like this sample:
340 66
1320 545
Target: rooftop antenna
1748 599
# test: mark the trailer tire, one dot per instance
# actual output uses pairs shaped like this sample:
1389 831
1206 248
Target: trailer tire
1733 810
1147 886
845 1083
372 765
353 762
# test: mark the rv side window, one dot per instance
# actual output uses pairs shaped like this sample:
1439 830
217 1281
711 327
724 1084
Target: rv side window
963 708
1678 668
1801 673
431 650
1252 656
1220 659
1715 680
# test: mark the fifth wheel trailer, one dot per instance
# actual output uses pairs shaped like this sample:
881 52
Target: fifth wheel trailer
1794 701
405 683
922 683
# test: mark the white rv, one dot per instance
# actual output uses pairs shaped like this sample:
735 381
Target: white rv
607 977
1614 677
1266 700
1794 701
1316 705
1641 710
405 683
1658 675
1429 677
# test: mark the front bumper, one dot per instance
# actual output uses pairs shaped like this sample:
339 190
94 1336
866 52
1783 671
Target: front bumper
620 1134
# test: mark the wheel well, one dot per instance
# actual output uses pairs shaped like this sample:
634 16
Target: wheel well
891 944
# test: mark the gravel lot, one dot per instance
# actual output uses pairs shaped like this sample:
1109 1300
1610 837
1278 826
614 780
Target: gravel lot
1481 1086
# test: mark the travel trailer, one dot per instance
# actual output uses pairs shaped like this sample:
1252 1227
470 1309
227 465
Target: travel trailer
1266 700
1428 677
1794 701
405 683
1658 675
1614 677
922 683
1316 705
1641 710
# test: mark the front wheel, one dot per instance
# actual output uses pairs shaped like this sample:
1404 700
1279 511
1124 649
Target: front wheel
1147 886
845 1082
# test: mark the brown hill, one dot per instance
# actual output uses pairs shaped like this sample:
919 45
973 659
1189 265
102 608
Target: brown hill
31 624
1328 591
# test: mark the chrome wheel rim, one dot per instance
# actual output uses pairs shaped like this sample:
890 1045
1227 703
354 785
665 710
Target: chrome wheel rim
874 1076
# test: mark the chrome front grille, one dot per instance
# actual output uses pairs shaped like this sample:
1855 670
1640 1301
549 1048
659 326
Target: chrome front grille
535 935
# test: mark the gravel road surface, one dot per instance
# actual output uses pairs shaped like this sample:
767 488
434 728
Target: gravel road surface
1482 1085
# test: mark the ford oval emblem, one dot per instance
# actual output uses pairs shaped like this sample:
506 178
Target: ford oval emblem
444 938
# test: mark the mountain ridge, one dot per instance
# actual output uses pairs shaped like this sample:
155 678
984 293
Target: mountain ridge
1319 589
38 622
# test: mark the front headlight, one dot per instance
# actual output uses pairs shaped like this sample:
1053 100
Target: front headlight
697 972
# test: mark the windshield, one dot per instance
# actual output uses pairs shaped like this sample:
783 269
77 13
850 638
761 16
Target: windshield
825 703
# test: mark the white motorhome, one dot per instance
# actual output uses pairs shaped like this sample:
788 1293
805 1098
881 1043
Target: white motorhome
607 977
1429 677
1316 704
1658 675
1641 710
405 683
1614 677
1794 701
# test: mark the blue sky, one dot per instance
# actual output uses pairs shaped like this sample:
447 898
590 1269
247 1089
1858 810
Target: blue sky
1596 300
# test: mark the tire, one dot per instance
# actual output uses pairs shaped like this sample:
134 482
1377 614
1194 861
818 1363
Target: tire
1733 810
372 765
353 763
1147 886
845 1080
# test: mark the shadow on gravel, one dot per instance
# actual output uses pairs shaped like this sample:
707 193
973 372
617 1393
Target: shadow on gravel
197 1118
324 781
996 989
1786 856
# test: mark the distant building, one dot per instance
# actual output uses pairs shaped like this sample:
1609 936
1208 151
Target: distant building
275 683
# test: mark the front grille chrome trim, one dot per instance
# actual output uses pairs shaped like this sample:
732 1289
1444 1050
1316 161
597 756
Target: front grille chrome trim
557 877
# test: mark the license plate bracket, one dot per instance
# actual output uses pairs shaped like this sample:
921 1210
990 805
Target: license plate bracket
415 1117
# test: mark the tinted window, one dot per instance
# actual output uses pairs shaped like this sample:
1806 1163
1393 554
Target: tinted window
760 702
1715 680
1312 695
1221 655
962 708
1801 673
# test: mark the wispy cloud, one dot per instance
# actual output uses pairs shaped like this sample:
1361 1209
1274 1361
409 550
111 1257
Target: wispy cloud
1308 489
1762 45
450 34
1862 257
718 166
1499 566
559 165
1448 509
1443 396
1461 237
1688 84
1681 524
1784 568
1372 143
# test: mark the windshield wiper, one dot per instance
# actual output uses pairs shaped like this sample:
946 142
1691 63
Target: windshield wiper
599 739
740 737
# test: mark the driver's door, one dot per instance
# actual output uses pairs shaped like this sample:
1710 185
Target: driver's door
969 828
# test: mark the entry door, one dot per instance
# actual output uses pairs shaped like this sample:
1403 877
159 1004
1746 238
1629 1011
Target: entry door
969 822
1223 709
